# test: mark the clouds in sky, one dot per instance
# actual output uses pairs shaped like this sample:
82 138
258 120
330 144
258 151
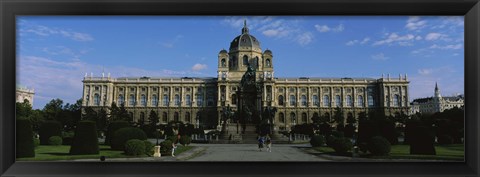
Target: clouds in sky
380 56
51 31
199 67
325 28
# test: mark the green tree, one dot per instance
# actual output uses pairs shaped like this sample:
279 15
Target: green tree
53 109
114 112
338 117
23 110
102 120
123 114
153 118
73 114
90 114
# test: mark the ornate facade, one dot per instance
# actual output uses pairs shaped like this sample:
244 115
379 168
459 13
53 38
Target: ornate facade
296 100
24 93
437 103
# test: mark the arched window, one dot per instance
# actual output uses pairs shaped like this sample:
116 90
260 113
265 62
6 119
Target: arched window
371 101
304 117
187 117
177 100
188 100
143 100
280 100
121 100
338 101
234 62
223 62
268 62
326 101
292 100
165 100
281 117
165 117
175 116
304 100
234 98
396 100
245 60
349 101
293 119
360 101
199 100
154 100
131 101
315 100
96 99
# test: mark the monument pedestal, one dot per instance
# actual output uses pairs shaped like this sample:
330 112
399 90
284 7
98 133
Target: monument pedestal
157 152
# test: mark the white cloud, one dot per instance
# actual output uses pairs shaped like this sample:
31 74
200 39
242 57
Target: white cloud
425 71
198 67
447 47
394 38
418 38
305 38
47 31
353 42
325 28
422 83
380 56
434 36
414 23
171 43
350 43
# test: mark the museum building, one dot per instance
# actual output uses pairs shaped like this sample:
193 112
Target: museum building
201 100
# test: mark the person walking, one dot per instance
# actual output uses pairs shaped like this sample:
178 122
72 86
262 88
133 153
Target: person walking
173 149
268 143
261 141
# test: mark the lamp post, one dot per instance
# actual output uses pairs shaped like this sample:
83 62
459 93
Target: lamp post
157 147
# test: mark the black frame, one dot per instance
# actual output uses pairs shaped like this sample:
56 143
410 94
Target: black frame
10 8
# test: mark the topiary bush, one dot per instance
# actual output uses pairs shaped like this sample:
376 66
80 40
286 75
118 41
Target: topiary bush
330 140
49 129
55 141
135 147
317 141
342 145
24 143
445 139
173 138
148 148
36 142
67 137
379 146
85 140
112 127
121 136
185 140
166 147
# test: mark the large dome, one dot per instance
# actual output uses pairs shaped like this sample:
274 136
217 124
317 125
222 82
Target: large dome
245 41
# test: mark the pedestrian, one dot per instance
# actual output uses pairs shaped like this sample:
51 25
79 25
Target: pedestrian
173 149
268 143
261 141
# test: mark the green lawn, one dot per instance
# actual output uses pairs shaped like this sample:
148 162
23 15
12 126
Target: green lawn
50 153
444 152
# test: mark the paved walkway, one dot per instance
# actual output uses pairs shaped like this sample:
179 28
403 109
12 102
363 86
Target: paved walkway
250 152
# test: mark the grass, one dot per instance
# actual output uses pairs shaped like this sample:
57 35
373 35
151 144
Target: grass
52 153
454 152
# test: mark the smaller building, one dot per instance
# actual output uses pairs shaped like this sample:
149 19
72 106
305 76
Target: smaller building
23 93
437 103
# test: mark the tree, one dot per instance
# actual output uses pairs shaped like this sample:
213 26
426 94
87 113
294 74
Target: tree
102 120
114 112
338 117
73 114
53 109
153 118
123 114
90 114
23 110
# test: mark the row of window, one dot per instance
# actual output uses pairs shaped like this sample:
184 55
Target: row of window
165 101
326 100
176 117
245 62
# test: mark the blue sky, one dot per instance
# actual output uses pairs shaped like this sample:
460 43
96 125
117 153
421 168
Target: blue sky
55 52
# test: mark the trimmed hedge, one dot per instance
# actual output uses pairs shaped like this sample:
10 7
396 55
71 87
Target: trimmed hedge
148 148
185 140
85 140
342 145
25 146
36 142
317 140
135 147
121 136
166 147
49 129
55 141
445 139
379 146
112 127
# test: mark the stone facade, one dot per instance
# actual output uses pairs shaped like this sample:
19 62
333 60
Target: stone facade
296 99
437 103
24 93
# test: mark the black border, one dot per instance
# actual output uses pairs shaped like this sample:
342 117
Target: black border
10 8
